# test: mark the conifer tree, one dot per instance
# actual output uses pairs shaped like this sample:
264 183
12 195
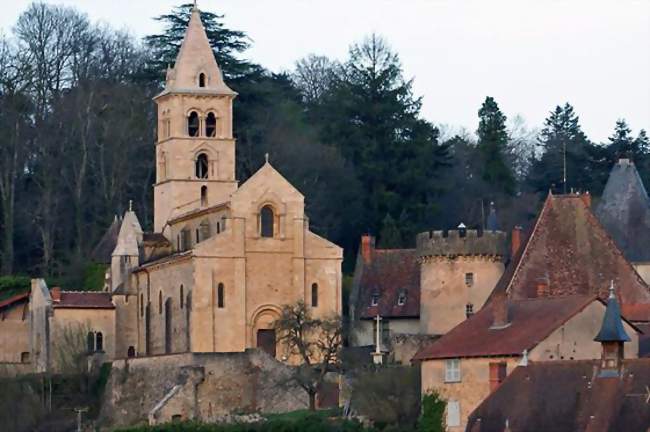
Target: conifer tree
492 143
390 236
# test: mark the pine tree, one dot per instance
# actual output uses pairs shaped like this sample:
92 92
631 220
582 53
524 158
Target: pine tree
390 236
621 143
492 143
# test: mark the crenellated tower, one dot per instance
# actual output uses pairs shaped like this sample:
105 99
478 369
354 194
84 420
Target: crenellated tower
195 150
459 269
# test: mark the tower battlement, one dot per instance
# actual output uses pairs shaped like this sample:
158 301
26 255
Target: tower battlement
461 243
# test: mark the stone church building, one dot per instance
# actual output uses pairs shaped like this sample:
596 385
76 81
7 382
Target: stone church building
223 258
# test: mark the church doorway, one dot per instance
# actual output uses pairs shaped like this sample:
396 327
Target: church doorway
266 341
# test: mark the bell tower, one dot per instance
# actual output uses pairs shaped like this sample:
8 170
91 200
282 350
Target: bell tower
195 149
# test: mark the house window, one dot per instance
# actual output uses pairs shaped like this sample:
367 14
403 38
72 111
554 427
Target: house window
314 295
401 298
99 342
469 279
24 357
374 299
453 413
193 124
469 310
498 372
452 370
220 296
201 80
266 221
211 125
201 166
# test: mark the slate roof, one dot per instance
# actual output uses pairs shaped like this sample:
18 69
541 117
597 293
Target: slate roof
531 321
567 396
104 249
612 329
389 272
569 251
84 300
624 210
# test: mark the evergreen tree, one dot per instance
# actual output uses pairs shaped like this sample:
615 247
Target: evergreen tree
369 111
227 44
492 144
567 154
390 236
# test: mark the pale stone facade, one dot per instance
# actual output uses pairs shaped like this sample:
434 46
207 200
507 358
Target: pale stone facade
14 332
231 256
571 341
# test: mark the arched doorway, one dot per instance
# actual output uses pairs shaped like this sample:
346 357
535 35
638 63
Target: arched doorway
264 336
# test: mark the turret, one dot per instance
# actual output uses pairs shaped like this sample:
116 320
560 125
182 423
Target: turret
126 255
612 336
459 269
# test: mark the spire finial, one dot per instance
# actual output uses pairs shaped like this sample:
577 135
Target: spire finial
611 289
266 157
130 205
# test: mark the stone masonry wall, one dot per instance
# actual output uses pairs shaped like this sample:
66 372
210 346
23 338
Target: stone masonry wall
202 386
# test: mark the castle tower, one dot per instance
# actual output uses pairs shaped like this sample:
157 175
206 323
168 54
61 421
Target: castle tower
459 269
195 151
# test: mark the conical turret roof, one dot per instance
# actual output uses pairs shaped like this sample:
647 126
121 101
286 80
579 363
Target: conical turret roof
612 329
624 211
196 57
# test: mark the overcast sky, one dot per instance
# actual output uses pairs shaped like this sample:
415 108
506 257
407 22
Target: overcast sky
529 54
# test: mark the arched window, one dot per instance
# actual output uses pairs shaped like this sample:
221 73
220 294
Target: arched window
211 125
201 80
469 310
201 166
193 124
220 296
90 342
204 196
266 221
182 297
314 295
99 342
130 352
160 302
141 304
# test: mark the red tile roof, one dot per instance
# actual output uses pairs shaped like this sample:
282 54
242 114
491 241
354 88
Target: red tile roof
389 272
14 299
572 253
84 300
567 396
531 321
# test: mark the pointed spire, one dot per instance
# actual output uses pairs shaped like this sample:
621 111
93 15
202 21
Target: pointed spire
612 329
195 59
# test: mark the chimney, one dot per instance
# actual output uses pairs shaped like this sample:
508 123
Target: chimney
500 311
516 240
542 287
55 293
367 247
586 198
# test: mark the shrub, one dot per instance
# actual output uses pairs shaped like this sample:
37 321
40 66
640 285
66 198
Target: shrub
433 410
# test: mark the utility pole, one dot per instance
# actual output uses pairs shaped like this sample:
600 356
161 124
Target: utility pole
564 163
79 412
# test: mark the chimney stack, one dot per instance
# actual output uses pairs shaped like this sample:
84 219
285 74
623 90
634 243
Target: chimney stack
542 287
500 311
55 293
367 247
516 240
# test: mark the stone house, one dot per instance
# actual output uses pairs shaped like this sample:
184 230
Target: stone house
607 394
471 361
223 258
14 332
65 324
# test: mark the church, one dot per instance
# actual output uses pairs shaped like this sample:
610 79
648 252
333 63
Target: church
223 258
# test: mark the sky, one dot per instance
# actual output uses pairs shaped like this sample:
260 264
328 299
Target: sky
529 55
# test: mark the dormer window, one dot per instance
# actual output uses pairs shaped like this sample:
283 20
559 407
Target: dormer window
374 299
401 298
201 80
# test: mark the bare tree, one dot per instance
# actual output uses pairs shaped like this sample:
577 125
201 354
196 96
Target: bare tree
313 76
316 342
